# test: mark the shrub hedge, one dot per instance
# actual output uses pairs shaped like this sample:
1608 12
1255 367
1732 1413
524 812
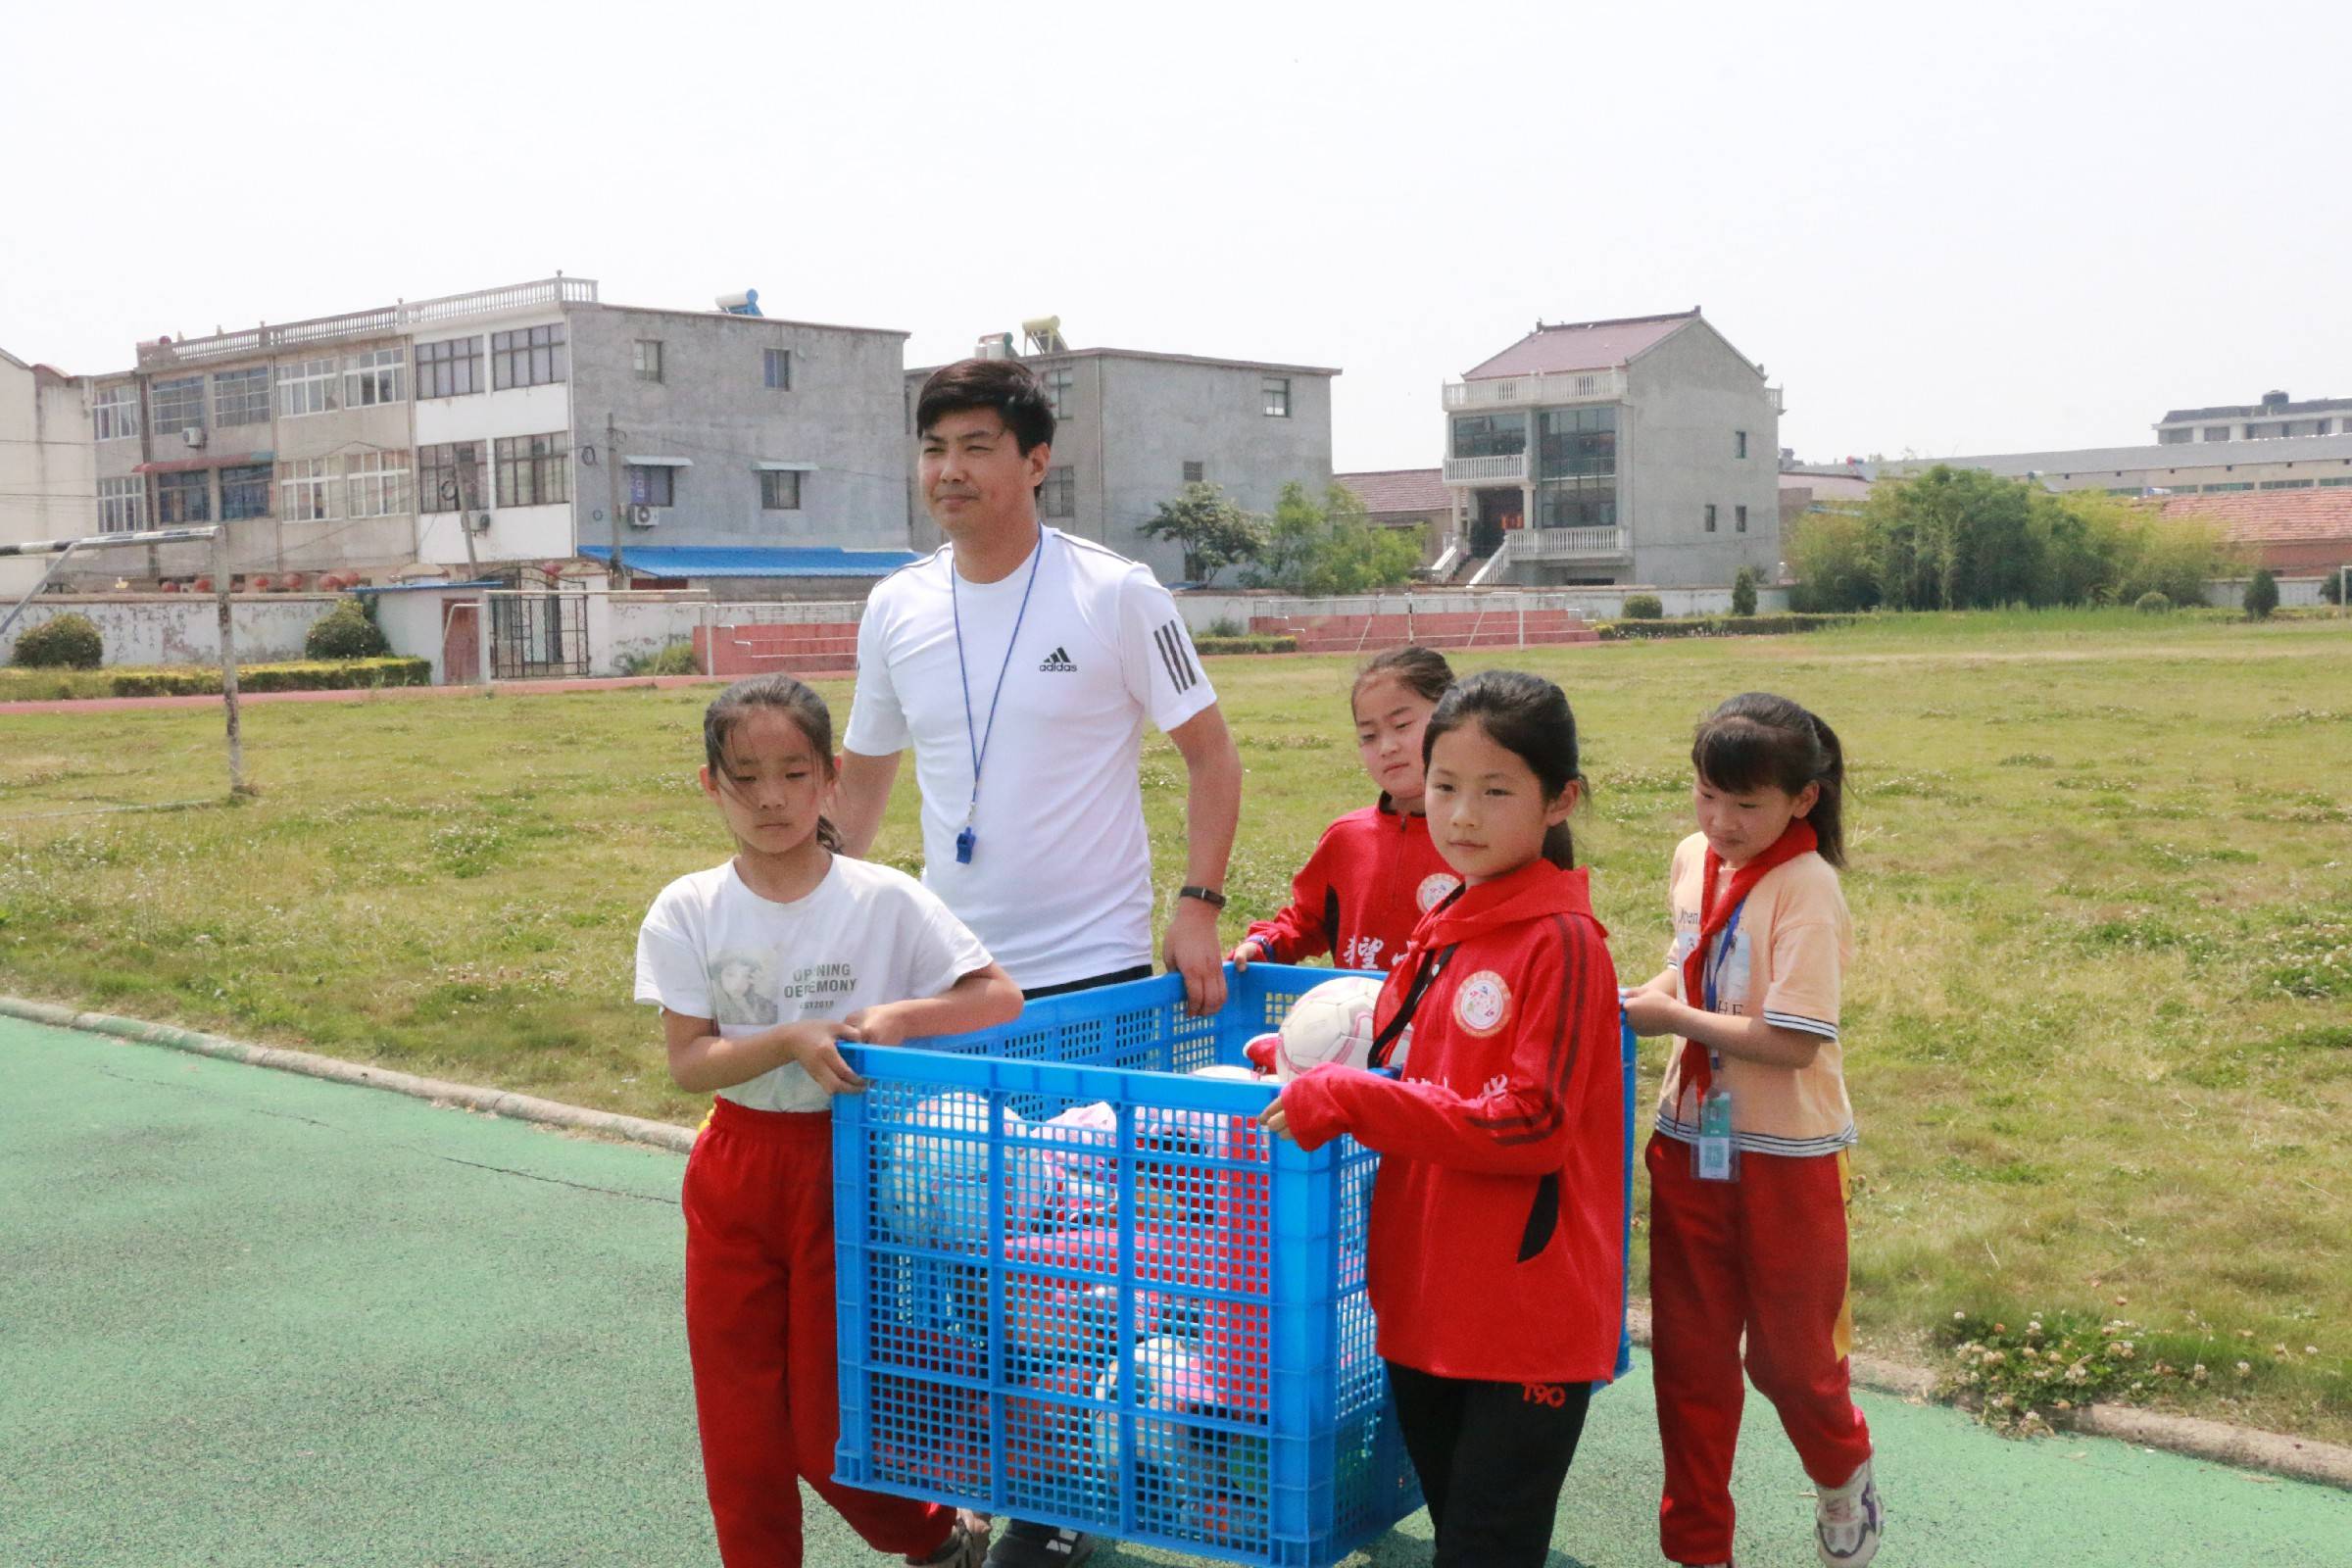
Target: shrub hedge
62 642
1716 626
1643 607
308 675
1246 645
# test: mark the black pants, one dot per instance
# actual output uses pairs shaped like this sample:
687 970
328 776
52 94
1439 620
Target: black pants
1491 1457
1142 971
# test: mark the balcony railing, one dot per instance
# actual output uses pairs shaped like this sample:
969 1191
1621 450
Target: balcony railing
1487 470
380 322
1567 544
1530 391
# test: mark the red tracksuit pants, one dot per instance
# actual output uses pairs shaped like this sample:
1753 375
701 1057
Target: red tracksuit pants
1764 1255
760 1328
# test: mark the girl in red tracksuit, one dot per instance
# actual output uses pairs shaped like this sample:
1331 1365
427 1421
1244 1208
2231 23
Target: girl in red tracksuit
1496 1266
1375 872
1748 1166
759 966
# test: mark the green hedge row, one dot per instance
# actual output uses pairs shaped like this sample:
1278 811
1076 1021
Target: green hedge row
309 675
1716 626
1246 645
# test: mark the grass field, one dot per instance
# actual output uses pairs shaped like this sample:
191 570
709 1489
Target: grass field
2100 1036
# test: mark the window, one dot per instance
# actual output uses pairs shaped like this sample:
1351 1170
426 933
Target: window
1058 384
178 405
373 378
534 471
2174 438
121 503
1194 472
1276 390
649 358
777 368
2266 431
115 413
652 485
1738 519
378 484
305 489
2217 432
1577 443
1738 443
245 492
779 490
241 397
1578 503
2286 484
309 387
2327 484
1710 516
449 476
528 356
1489 435
2240 485
1058 497
184 498
449 369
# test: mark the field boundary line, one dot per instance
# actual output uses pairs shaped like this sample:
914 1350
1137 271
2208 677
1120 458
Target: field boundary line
2193 1436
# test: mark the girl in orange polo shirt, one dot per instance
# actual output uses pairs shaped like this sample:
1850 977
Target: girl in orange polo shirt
1747 1164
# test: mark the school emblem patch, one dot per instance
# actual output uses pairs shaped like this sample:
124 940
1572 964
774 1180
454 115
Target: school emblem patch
1434 888
1483 1002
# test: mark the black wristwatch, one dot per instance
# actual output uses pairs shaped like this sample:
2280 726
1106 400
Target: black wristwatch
1209 895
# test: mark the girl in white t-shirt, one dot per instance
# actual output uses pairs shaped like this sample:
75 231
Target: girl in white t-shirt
760 965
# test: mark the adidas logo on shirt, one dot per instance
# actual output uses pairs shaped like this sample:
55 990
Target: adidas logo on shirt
1059 663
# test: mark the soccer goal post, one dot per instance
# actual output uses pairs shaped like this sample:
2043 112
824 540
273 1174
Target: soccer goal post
64 550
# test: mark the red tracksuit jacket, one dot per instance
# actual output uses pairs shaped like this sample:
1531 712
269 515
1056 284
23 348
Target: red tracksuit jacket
1373 875
1498 1214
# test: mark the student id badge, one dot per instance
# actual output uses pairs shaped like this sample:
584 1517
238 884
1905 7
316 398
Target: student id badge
1715 1157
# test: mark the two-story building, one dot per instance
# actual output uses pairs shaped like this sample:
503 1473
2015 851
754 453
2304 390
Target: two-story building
1133 428
1639 450
529 424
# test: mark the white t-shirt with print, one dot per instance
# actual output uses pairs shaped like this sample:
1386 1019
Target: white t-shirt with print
1059 885
711 948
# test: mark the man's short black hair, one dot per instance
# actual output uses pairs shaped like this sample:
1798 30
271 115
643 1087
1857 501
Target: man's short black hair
1004 385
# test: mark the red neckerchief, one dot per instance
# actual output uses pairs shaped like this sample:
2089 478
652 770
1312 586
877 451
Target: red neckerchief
1714 914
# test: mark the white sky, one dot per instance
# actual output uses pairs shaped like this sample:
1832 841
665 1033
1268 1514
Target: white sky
1948 228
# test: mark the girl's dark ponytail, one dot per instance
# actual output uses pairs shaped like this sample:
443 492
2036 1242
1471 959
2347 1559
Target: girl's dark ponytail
1757 738
1528 716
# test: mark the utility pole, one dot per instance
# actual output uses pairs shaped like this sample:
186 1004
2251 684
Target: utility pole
228 664
613 487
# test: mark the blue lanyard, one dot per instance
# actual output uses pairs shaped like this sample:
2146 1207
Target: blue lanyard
967 838
1717 963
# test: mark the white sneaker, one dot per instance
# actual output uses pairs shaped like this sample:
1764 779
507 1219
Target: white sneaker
1848 1521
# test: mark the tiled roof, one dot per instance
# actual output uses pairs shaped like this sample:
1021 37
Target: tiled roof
1398 489
1582 345
2270 517
2255 411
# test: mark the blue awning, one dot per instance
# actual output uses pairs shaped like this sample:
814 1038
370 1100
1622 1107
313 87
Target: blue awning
721 560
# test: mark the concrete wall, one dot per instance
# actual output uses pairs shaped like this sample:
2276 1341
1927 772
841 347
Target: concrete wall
1684 398
637 625
1159 414
48 488
183 629
845 414
1201 611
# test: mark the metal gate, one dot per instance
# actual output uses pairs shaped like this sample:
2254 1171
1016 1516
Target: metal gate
534 635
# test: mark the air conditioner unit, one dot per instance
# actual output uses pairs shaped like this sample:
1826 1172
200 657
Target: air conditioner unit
480 523
641 516
193 436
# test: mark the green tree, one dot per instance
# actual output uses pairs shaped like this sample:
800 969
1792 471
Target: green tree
1951 539
2331 586
1213 531
1744 591
1330 546
1829 556
2262 594
2173 556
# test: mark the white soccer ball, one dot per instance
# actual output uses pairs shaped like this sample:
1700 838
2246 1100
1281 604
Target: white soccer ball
1169 1379
1333 1022
933 1191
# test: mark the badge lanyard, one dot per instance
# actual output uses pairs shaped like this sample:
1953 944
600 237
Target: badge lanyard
1715 1157
1719 961
967 838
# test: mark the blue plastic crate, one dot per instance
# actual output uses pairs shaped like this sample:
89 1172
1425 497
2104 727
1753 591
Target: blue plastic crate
1146 1320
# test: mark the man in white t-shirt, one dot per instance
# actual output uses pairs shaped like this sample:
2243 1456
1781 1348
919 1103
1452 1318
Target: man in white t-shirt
1021 665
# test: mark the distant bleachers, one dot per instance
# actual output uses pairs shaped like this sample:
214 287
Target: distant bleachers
816 648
